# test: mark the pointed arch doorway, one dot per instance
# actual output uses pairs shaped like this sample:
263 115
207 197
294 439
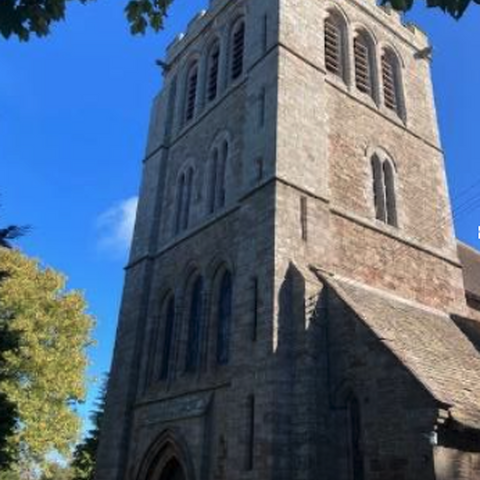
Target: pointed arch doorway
172 471
167 458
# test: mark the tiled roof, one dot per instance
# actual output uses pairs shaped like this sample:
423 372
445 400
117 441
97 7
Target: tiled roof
470 260
426 341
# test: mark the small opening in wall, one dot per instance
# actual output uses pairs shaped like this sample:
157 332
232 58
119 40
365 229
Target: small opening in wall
265 33
304 218
259 169
255 296
262 106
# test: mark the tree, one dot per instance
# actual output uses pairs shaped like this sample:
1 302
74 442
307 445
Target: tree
8 411
56 471
85 453
22 18
44 375
8 343
8 234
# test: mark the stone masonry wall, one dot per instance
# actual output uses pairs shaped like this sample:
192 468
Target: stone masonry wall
396 413
299 193
327 133
216 436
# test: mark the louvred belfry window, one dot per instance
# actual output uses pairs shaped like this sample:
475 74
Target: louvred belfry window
391 82
363 65
238 47
213 70
192 82
333 47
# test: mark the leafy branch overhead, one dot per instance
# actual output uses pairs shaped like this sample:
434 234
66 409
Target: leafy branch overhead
455 8
24 18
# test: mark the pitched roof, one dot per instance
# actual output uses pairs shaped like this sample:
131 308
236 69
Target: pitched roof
470 260
426 341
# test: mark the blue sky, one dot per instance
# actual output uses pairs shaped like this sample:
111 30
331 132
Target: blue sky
74 112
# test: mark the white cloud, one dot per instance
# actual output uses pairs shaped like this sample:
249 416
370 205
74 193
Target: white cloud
116 226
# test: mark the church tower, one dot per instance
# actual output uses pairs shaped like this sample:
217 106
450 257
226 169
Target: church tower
288 310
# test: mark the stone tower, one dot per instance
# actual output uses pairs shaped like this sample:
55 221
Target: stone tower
290 301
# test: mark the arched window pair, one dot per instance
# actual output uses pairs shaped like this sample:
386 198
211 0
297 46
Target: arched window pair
384 193
364 62
184 200
194 317
223 321
217 177
236 57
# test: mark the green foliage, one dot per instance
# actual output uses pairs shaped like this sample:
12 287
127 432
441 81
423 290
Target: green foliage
8 411
85 454
21 18
44 374
455 8
24 18
7 474
142 14
8 343
56 471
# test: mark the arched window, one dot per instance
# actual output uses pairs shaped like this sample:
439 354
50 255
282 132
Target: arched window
335 46
217 178
390 198
378 188
179 203
194 326
184 200
169 321
237 49
191 94
224 319
212 192
384 190
188 198
392 85
355 427
364 64
213 71
222 176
